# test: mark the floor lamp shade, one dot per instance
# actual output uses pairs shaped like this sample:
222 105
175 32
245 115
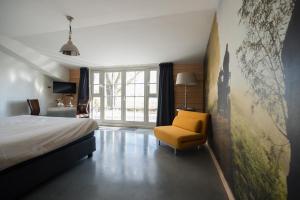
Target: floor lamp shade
186 79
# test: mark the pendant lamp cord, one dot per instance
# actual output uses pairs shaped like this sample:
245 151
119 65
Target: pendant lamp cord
70 32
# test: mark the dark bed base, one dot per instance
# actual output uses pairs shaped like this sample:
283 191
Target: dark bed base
19 179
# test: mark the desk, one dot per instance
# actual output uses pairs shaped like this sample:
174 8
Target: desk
61 111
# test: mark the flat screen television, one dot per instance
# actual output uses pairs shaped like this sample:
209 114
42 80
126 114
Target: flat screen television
64 87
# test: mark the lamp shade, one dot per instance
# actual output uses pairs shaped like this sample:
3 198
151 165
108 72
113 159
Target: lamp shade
69 49
186 78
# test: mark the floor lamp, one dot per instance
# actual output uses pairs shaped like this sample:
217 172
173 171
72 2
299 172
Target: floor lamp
186 79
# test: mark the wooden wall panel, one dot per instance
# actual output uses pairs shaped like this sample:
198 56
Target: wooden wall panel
195 95
74 75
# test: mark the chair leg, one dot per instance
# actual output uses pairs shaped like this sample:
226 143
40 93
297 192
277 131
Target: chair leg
158 142
175 151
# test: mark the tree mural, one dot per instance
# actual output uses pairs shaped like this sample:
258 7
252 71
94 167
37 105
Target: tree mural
223 117
260 61
224 88
260 54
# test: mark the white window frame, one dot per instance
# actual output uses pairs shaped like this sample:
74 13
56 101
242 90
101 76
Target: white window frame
123 71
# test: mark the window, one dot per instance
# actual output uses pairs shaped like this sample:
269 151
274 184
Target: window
125 96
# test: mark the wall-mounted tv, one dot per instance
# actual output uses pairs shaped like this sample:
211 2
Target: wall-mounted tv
64 87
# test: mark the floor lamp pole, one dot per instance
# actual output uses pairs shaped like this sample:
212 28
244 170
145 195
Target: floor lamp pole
185 96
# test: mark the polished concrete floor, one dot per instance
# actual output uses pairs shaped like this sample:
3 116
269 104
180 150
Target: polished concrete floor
128 164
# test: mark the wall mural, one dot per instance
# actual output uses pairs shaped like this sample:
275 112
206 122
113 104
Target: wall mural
218 86
253 96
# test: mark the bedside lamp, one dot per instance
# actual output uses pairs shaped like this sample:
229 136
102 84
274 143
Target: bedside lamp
186 79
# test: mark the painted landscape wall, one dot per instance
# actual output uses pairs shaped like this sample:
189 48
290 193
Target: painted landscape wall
253 95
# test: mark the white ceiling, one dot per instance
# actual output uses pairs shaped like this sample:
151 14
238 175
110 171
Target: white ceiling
112 32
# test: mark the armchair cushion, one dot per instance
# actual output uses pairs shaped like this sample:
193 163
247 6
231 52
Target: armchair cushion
189 124
177 137
203 117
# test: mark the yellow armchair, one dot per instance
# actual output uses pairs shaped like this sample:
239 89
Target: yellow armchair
187 130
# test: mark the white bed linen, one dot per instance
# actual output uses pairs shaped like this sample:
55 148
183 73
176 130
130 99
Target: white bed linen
25 137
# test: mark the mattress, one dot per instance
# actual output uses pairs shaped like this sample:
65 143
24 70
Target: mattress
25 137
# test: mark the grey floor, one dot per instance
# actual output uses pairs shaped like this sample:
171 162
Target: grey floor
128 164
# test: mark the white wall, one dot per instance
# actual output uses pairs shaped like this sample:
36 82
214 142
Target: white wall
18 82
33 58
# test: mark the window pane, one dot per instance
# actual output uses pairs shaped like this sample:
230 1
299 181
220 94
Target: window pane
117 78
130 90
139 102
96 78
139 89
117 114
108 78
130 77
139 109
139 114
108 90
139 77
153 76
129 102
108 102
152 109
117 102
129 108
108 113
129 114
152 88
152 103
96 89
96 108
117 90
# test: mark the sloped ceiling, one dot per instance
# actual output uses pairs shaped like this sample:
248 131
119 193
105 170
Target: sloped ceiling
114 32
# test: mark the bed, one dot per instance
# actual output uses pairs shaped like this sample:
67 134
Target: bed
35 148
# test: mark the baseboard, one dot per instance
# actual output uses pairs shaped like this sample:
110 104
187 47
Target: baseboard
151 126
221 175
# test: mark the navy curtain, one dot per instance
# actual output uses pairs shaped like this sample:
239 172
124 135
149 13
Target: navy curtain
165 111
83 90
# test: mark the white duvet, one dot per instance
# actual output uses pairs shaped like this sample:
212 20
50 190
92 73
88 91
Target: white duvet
25 137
